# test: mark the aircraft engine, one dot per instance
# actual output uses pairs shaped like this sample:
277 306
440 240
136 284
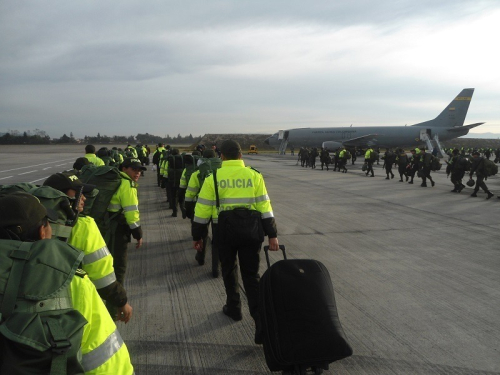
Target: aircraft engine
331 145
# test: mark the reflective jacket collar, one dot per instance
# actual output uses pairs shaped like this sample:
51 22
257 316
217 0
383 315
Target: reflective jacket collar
127 177
233 163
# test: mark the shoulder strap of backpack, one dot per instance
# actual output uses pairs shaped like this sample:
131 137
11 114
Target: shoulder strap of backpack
217 201
20 257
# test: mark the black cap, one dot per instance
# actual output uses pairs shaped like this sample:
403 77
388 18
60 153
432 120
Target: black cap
229 146
23 210
133 163
65 181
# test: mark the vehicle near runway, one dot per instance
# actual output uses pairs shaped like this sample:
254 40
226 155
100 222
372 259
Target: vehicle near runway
448 125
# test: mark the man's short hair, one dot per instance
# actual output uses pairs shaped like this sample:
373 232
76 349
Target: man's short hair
175 151
209 153
90 149
230 149
80 162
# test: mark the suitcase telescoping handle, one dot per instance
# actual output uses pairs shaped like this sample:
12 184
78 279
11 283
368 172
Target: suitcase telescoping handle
266 251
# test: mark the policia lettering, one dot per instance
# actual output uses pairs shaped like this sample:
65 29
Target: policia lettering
237 183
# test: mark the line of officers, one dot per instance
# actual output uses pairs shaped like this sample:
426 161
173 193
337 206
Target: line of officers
96 290
219 189
419 163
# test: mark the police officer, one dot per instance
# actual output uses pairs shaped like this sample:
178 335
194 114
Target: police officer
85 235
414 163
402 162
102 348
124 211
456 167
478 168
240 191
91 156
389 158
156 161
426 165
369 159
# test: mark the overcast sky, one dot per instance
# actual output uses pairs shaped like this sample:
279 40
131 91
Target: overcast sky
243 66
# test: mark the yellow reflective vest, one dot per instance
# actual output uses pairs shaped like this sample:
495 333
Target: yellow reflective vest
193 187
103 349
368 154
125 200
98 261
238 187
94 159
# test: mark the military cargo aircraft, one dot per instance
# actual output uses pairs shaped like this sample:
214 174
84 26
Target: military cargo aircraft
448 125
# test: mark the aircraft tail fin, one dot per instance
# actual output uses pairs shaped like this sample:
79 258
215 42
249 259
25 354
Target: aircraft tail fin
454 113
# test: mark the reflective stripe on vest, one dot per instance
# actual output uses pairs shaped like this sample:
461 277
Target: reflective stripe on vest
103 352
105 281
135 225
96 255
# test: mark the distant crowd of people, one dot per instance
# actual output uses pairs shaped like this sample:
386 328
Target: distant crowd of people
418 163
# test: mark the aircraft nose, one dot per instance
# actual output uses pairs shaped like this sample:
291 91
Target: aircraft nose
266 141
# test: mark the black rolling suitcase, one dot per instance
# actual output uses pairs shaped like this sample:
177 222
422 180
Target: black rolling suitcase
300 324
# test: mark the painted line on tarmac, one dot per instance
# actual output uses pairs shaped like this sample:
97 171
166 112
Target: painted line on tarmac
58 165
36 165
43 178
20 174
3 178
44 169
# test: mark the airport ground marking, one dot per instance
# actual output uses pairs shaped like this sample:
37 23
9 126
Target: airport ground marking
20 174
36 165
43 178
3 178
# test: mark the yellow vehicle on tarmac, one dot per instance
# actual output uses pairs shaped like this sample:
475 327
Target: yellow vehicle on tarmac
253 150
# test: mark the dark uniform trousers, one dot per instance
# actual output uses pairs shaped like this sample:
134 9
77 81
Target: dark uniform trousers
426 174
248 255
369 168
456 179
119 240
480 184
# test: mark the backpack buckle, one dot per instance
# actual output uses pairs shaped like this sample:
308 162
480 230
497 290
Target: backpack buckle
60 347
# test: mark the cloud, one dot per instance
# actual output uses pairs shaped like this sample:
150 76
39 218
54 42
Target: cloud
246 65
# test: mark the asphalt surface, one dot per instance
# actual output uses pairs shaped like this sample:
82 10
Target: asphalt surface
415 271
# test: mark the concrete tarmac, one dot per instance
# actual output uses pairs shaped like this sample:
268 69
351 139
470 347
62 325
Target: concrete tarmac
415 272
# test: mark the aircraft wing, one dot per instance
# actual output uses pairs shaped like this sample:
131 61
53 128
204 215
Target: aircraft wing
365 140
461 128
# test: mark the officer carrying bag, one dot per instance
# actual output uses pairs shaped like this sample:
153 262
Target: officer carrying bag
40 332
107 181
239 225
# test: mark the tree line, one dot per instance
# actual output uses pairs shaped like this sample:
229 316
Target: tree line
38 136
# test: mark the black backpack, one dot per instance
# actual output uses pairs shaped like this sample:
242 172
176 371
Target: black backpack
107 181
175 169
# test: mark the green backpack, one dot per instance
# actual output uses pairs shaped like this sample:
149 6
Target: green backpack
107 181
206 168
22 187
190 164
435 164
175 169
59 202
490 168
40 332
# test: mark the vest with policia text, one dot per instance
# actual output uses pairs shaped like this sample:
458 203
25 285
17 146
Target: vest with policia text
40 331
